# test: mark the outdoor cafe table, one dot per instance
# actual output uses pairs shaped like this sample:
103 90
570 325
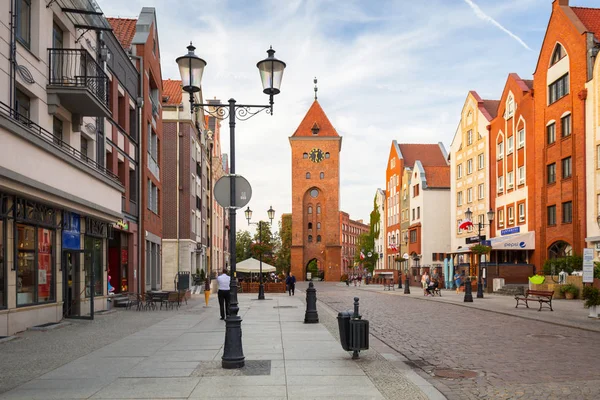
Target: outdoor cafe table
158 296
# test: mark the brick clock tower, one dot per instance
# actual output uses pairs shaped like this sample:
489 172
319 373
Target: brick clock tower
316 150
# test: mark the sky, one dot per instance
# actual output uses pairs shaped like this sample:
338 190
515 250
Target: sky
386 69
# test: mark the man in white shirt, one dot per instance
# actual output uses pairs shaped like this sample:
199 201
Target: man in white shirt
224 294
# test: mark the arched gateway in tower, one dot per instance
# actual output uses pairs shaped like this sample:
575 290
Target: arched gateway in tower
316 150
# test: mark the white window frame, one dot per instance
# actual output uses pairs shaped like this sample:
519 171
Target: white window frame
500 184
521 175
510 181
469 137
459 171
510 145
469 195
511 214
459 199
500 150
481 161
469 166
501 218
522 212
521 138
481 191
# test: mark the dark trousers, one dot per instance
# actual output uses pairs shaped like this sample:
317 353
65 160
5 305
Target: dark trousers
291 288
224 297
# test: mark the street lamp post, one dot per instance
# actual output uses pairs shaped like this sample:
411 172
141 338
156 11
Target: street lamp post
191 68
480 225
406 279
271 214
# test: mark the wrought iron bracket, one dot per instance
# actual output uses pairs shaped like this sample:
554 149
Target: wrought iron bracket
243 112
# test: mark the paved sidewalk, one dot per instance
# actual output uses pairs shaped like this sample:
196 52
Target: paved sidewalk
569 313
180 357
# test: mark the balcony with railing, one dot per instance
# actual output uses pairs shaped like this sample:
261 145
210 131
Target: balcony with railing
79 82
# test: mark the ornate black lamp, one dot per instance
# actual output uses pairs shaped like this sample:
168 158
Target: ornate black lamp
271 215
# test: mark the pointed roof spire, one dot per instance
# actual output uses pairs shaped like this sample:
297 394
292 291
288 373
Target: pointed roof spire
316 88
316 123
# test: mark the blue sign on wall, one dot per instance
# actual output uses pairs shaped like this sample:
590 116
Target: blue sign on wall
71 237
510 231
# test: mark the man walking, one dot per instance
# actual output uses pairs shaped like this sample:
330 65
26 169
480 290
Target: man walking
291 283
224 294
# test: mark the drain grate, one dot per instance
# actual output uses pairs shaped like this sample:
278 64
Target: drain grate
251 368
545 336
285 307
450 373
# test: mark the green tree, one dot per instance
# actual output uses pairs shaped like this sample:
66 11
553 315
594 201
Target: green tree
366 244
374 220
283 251
243 241
263 244
313 268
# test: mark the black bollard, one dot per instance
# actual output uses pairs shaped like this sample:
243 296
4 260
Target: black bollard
311 316
355 316
468 292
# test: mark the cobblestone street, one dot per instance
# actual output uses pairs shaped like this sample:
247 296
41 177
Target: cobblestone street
512 357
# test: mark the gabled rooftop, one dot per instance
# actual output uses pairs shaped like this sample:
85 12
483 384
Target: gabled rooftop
428 154
172 92
590 17
315 124
124 30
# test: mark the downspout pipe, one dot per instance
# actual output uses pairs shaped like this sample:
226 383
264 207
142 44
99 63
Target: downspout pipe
11 57
139 107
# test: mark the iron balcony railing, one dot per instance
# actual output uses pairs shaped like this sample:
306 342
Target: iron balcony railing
77 68
55 141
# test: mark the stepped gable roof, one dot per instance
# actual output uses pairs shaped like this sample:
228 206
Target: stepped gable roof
124 30
428 154
437 176
172 92
315 119
590 17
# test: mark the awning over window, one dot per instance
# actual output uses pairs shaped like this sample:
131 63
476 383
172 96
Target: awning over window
84 14
521 241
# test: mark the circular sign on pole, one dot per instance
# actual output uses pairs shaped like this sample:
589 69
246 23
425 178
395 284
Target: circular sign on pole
369 254
243 191
405 256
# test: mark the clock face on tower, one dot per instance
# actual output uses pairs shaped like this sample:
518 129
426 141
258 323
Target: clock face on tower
316 155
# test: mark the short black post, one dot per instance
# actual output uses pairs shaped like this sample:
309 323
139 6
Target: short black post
356 315
406 283
311 316
468 294
399 280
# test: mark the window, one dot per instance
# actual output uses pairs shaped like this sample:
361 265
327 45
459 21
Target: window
318 238
469 166
418 212
318 225
521 138
470 137
558 89
57 131
322 175
310 226
558 54
480 220
35 265
84 149
551 173
469 195
481 161
500 150
310 209
23 30
152 197
511 214
481 191
308 175
521 172
314 193
326 155
413 214
2 264
598 157
416 190
22 104
459 199
551 211
567 212
318 209
566 168
510 180
551 133
413 236
500 218
458 224
510 107
305 155
522 212
500 184
565 124
459 170
309 238
510 145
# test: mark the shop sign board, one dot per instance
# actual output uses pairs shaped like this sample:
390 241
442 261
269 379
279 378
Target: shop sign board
588 265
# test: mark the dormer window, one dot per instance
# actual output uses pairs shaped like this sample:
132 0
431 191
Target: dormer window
315 129
558 54
510 107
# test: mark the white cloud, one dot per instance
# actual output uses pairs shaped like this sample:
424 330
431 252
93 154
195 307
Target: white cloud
480 14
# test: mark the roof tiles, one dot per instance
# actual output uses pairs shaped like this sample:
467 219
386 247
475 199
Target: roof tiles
172 92
437 177
428 154
124 30
315 118
590 17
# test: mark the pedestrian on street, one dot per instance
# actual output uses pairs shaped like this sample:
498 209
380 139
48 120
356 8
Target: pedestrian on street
457 281
290 281
425 282
224 293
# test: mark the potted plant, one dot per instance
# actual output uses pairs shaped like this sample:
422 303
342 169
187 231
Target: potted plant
570 291
591 295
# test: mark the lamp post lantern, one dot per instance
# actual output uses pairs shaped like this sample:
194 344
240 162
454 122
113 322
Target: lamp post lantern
480 225
271 215
191 68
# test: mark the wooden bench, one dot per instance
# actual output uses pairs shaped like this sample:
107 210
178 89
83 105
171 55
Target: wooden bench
541 296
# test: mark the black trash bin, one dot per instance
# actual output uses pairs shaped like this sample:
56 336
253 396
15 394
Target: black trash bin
359 332
183 280
344 326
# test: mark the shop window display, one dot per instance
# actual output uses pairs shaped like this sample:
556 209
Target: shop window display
35 272
93 263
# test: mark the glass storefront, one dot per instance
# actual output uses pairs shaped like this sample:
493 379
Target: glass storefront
2 266
35 265
93 264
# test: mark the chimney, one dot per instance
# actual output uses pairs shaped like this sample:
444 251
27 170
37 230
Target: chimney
563 2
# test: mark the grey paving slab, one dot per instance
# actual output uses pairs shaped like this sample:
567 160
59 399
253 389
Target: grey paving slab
94 367
183 355
58 389
239 392
333 391
148 388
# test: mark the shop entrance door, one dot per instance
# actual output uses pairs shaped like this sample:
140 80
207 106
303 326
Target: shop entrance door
71 283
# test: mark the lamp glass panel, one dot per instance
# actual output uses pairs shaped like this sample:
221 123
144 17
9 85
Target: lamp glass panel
271 74
191 70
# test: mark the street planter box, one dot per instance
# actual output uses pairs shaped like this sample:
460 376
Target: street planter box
273 287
